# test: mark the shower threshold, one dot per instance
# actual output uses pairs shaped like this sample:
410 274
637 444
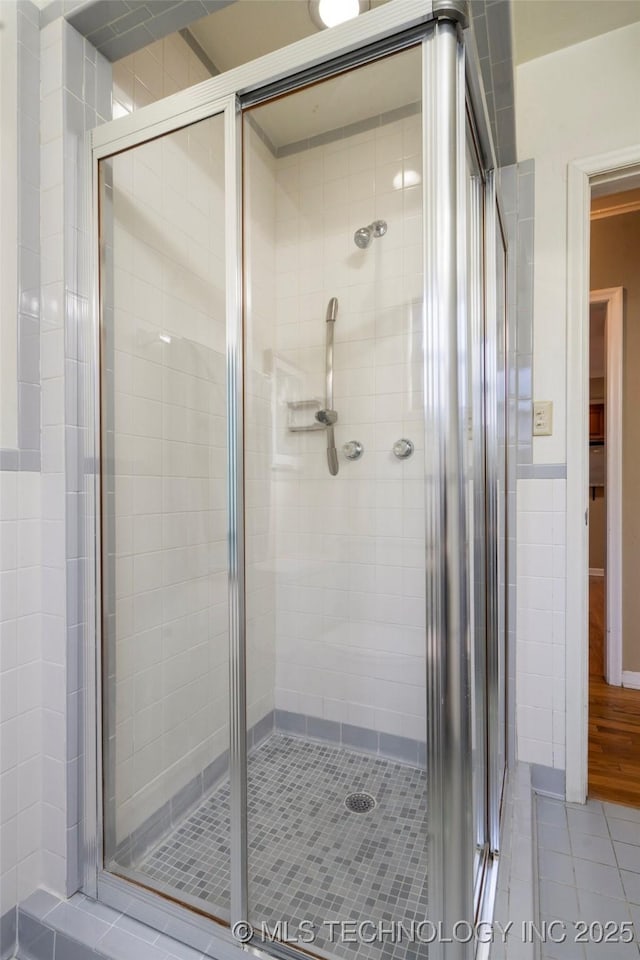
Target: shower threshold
312 861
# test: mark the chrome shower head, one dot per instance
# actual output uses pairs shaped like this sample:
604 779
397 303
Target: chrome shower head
363 237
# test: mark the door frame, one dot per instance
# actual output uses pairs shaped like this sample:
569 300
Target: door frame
582 175
613 298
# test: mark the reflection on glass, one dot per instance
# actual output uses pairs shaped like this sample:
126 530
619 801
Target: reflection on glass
336 576
165 634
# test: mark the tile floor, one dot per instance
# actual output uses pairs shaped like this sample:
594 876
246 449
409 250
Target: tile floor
589 872
310 858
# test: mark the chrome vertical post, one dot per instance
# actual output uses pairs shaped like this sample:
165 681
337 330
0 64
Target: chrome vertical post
451 838
235 507
492 457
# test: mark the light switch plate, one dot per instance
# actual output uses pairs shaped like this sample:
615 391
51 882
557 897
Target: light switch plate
542 418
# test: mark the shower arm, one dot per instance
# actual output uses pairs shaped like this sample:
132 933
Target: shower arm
328 416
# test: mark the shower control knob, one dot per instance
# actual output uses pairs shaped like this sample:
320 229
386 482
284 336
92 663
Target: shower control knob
353 449
402 448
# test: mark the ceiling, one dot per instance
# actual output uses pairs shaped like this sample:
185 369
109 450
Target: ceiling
248 29
387 84
542 26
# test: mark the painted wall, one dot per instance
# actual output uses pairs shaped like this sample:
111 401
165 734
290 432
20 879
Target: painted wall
615 254
565 110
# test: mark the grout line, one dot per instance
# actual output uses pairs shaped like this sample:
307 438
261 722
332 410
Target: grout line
535 870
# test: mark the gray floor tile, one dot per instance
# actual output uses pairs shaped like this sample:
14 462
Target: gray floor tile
568 950
551 811
598 909
628 856
599 849
556 866
628 831
588 821
611 951
620 812
631 884
635 916
554 838
598 878
558 900
309 857
607 877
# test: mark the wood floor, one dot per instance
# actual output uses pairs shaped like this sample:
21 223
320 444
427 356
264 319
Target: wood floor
614 719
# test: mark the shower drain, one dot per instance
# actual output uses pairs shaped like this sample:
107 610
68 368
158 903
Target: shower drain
359 802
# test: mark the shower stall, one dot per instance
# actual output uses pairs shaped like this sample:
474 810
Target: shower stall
299 664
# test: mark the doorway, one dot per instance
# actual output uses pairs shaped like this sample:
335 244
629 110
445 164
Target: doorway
614 700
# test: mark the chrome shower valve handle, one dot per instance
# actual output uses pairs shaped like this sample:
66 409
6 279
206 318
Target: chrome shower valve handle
403 448
352 449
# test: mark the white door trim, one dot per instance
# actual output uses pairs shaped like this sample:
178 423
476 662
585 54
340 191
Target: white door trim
614 327
603 167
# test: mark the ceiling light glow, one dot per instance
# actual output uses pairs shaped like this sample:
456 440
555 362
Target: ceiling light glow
331 13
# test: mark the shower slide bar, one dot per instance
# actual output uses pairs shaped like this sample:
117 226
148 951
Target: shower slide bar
328 415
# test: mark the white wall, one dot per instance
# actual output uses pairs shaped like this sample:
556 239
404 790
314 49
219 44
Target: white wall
575 103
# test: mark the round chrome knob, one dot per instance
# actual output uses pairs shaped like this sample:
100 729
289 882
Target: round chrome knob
352 449
402 448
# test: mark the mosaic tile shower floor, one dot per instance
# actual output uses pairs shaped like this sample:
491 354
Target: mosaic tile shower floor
310 858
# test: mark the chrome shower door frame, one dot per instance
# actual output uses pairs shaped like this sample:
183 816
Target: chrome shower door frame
445 78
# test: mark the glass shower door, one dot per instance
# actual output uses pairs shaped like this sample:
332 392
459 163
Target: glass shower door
165 637
336 684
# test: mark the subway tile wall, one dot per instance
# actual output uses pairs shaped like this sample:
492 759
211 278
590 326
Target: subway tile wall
21 582
158 70
169 606
171 656
21 687
350 549
540 681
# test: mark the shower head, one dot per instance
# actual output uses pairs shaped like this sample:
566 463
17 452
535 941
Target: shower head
363 237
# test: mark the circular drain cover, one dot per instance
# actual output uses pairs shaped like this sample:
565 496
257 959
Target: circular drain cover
359 802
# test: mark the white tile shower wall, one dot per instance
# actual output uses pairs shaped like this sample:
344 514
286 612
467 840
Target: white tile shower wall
75 96
171 656
156 71
21 733
540 681
350 549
